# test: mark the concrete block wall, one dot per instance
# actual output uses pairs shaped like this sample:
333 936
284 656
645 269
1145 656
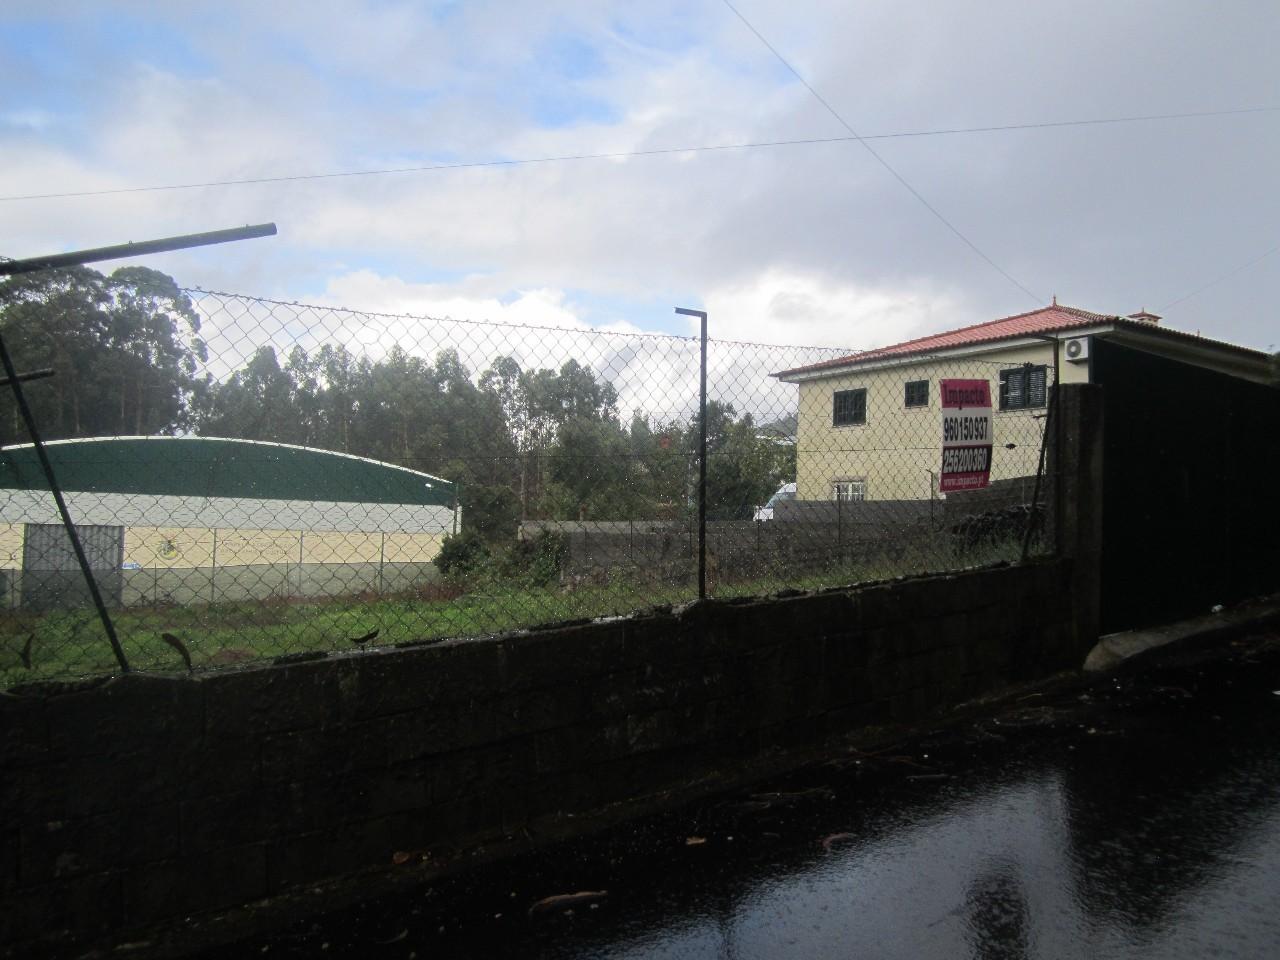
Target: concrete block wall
146 799
803 540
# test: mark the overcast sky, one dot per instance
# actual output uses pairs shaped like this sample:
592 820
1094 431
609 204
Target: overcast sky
811 243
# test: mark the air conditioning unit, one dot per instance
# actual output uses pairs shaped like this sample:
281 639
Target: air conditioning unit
1077 349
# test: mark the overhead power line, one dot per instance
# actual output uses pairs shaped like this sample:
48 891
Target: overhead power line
627 154
1217 280
882 161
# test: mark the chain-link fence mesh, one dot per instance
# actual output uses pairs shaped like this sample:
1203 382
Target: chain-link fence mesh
866 500
252 479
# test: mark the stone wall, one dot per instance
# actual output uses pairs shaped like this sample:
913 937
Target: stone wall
149 798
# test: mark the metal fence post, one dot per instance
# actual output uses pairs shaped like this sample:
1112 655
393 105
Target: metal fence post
839 528
702 467
1051 424
702 450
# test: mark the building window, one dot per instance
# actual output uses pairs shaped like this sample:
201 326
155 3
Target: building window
849 407
849 489
1024 387
917 393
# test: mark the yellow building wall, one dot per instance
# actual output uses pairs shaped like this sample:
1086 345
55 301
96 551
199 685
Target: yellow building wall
189 547
898 450
341 547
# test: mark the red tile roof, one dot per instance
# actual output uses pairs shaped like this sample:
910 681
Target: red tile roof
1046 320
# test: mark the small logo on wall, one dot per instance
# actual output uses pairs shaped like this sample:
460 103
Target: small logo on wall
168 549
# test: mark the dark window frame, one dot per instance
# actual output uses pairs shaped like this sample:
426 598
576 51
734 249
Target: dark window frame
853 413
1025 387
907 397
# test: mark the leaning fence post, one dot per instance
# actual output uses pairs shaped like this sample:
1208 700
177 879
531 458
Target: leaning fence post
15 383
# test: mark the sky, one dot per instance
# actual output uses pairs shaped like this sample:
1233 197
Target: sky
813 244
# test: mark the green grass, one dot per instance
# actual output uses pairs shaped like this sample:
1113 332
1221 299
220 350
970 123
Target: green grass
70 644
73 643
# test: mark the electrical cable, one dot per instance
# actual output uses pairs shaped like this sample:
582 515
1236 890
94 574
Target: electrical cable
881 160
628 154
1226 276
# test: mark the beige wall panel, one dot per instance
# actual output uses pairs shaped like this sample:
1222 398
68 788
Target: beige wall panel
898 447
252 547
412 547
11 535
168 547
352 547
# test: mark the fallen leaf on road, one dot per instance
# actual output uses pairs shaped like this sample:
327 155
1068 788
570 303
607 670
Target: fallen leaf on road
831 841
563 900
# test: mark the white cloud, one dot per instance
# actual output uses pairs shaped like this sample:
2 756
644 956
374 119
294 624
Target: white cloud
366 290
794 244
790 307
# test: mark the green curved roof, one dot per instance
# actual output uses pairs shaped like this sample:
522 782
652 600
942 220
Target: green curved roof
214 467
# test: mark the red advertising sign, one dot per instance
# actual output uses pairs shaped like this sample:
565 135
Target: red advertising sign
966 435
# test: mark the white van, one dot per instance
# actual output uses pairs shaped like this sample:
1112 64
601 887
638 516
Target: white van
785 492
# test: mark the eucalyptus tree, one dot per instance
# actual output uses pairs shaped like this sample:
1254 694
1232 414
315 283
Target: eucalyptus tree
125 349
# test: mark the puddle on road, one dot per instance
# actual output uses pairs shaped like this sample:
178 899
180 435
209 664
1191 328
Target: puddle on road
1148 828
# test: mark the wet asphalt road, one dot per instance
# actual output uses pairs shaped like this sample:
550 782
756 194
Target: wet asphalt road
1138 817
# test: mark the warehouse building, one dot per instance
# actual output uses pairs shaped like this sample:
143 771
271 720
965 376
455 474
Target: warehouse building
205 520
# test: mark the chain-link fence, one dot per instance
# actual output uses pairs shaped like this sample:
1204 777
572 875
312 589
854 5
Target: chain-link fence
253 479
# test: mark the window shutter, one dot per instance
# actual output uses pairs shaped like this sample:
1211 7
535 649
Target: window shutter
1037 389
849 407
1013 394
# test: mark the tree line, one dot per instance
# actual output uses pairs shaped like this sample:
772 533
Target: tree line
521 443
